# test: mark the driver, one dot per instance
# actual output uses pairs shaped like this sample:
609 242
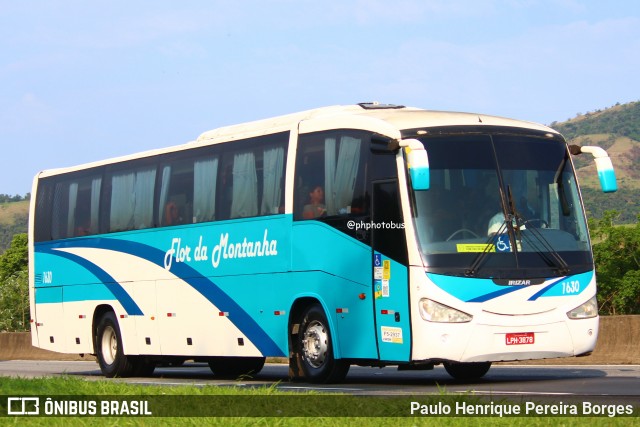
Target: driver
495 223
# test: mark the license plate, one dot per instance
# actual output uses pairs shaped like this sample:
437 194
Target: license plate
520 338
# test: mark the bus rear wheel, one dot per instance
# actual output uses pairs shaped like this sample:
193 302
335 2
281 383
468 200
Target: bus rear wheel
467 371
315 349
236 366
110 353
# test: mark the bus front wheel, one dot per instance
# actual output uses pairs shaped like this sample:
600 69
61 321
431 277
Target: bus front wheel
315 349
109 352
467 371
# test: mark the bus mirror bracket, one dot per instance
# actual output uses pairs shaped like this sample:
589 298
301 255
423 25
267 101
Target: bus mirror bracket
606 173
417 163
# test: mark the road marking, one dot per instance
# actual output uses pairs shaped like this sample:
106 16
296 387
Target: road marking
516 393
319 388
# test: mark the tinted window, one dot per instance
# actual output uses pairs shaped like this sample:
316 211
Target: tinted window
230 180
252 177
331 177
130 198
75 207
333 162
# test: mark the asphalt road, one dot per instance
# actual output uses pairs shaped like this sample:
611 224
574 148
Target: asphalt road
618 384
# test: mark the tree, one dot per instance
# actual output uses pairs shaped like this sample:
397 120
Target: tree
14 286
14 303
15 259
617 258
6 198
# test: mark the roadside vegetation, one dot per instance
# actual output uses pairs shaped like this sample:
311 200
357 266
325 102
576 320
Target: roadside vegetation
14 286
616 251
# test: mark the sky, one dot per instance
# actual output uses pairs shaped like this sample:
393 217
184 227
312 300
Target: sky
88 80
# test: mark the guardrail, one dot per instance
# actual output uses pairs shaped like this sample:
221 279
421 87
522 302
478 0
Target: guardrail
618 344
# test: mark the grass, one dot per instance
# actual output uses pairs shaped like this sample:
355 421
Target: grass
262 403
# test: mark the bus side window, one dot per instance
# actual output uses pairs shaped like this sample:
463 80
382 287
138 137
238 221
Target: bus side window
43 220
251 182
127 185
244 200
205 174
331 177
76 207
60 214
176 193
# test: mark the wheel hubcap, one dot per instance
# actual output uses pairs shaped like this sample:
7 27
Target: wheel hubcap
314 344
109 345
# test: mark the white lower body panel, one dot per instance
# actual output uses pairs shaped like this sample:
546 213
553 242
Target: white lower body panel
488 342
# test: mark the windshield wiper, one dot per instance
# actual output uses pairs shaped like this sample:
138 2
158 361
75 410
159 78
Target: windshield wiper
479 259
549 254
514 225
506 226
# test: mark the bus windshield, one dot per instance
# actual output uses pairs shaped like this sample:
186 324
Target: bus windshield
501 206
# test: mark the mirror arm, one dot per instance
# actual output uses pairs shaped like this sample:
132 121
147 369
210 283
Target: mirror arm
606 173
417 163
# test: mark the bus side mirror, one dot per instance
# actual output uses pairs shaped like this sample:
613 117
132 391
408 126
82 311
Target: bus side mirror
606 173
417 163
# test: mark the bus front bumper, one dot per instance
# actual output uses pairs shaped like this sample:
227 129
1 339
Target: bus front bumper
493 343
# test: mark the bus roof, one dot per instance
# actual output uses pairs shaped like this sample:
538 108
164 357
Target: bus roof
397 117
385 119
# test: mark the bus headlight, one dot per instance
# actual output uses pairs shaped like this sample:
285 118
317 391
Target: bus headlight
435 312
585 311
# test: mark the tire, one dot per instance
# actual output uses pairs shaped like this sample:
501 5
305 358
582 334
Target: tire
315 349
467 371
233 367
109 352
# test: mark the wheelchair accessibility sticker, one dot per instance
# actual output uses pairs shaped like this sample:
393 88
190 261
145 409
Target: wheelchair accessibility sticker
502 243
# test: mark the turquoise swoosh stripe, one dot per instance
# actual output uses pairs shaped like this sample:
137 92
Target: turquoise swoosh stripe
114 287
212 292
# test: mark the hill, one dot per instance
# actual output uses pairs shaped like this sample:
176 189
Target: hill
616 129
13 220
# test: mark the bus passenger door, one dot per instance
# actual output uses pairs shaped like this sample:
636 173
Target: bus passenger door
390 274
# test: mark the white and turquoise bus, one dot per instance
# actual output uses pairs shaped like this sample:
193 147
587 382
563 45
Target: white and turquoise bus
368 234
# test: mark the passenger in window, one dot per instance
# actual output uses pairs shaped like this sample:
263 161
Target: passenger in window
82 230
316 207
172 214
83 227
